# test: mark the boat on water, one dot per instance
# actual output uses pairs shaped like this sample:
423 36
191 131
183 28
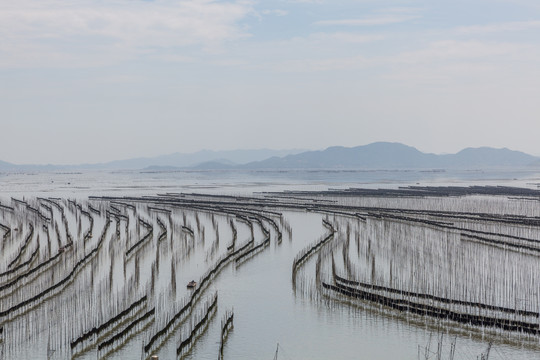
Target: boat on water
191 284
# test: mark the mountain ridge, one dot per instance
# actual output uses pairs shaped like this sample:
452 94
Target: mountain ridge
377 155
173 161
387 155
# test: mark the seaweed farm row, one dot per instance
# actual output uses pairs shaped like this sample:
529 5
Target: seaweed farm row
132 277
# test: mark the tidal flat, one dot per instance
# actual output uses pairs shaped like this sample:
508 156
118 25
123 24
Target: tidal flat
336 266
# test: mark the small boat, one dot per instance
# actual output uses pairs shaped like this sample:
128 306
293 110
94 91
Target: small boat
191 284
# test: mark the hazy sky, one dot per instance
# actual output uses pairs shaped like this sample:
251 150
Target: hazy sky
96 80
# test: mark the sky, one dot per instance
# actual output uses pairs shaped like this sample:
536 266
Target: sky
84 81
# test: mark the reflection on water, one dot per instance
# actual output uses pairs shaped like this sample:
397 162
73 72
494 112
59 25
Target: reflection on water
267 309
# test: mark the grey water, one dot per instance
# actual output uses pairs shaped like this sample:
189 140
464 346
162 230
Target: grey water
269 314
137 182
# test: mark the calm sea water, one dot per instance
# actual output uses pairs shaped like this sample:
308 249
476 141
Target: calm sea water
82 184
269 314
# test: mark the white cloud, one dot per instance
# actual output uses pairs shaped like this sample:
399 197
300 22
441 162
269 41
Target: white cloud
344 37
33 32
276 12
371 21
175 58
305 1
438 61
500 27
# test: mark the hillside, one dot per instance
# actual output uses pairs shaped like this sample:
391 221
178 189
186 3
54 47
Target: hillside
385 155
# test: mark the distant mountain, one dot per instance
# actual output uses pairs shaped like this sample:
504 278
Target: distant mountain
385 155
6 166
180 160
165 162
379 155
486 156
376 155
